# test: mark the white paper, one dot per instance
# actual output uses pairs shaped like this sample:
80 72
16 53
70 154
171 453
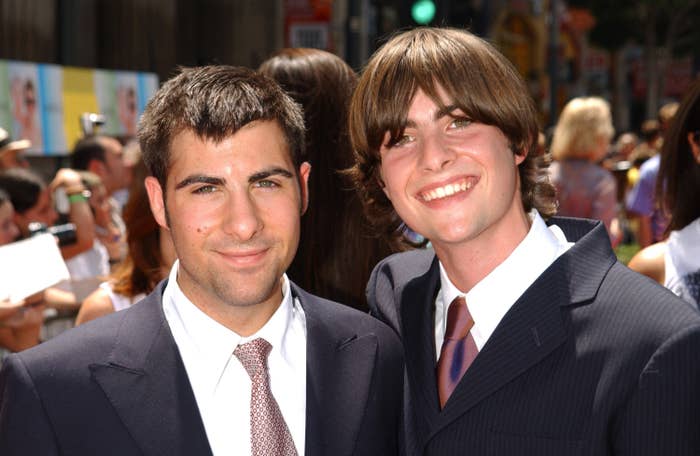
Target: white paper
29 266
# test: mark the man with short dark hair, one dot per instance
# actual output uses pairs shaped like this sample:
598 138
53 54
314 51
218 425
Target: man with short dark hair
227 356
521 336
101 155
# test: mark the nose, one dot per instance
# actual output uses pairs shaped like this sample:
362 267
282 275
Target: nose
435 154
243 219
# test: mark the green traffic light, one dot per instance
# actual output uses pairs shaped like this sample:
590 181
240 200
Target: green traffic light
423 11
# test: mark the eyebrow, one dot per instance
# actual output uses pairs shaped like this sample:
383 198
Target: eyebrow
446 111
439 114
211 180
199 179
274 171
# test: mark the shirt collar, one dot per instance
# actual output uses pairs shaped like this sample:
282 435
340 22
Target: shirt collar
214 341
490 299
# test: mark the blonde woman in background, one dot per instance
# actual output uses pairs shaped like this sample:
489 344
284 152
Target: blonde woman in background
581 140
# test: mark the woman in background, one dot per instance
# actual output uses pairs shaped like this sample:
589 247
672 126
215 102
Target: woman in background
336 251
149 258
581 140
675 262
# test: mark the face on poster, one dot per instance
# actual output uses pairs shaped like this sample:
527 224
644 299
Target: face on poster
25 102
117 99
44 103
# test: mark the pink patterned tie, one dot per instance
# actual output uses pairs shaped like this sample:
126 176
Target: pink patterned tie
269 434
458 349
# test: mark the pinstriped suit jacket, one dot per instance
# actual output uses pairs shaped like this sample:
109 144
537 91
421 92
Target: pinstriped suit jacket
593 359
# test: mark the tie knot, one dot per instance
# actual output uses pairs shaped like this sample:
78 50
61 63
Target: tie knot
253 356
459 321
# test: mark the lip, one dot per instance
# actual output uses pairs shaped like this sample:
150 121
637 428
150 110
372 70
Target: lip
456 187
244 258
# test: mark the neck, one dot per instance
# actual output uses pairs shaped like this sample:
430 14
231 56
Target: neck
467 263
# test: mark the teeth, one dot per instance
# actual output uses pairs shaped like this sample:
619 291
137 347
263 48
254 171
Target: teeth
447 190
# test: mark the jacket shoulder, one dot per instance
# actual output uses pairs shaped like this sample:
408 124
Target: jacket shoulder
341 320
400 268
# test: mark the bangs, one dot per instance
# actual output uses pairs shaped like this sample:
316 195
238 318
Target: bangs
473 76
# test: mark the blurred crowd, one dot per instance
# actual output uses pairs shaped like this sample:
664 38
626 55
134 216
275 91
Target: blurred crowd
643 185
90 206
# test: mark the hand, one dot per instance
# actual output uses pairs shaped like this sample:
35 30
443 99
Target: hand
24 313
69 179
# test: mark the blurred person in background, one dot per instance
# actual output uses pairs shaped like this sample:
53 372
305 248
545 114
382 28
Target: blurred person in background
675 262
336 251
33 201
20 322
8 230
581 140
650 221
103 155
11 152
90 267
149 257
107 233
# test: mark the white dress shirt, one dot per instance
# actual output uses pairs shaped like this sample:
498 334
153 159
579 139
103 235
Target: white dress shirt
221 385
490 299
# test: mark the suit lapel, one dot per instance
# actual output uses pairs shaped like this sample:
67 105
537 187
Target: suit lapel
529 331
146 382
417 300
338 366
534 326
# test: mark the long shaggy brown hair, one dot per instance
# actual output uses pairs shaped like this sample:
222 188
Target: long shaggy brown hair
478 79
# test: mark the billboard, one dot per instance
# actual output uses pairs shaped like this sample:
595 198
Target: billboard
43 102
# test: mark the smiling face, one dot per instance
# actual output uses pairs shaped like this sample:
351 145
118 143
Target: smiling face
233 210
454 181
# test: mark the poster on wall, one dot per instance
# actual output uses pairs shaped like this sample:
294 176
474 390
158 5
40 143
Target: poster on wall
43 103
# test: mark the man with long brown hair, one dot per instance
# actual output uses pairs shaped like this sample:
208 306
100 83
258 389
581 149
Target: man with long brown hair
522 333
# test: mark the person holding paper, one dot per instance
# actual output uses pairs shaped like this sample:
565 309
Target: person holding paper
20 322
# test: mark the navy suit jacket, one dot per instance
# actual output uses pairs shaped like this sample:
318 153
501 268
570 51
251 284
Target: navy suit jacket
592 359
118 386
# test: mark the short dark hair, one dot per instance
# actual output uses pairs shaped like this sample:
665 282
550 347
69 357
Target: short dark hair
480 81
4 197
678 181
87 149
24 187
214 102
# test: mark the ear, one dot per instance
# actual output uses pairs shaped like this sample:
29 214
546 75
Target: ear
97 167
519 152
155 198
304 171
380 182
694 146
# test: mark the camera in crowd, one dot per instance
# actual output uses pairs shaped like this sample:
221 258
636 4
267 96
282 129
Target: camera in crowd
90 121
65 233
